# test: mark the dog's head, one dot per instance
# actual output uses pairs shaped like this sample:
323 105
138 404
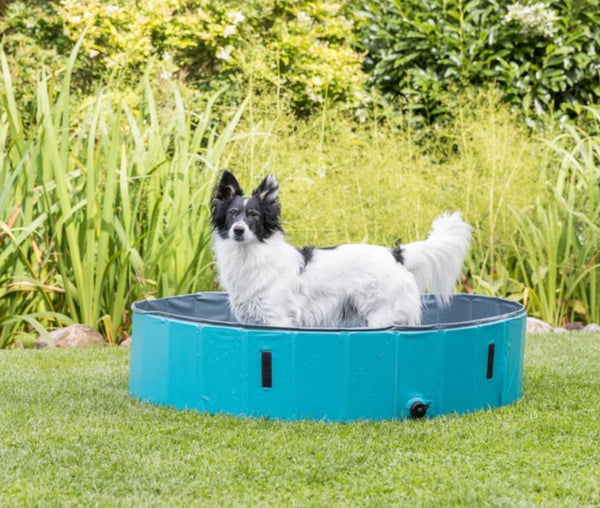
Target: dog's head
245 219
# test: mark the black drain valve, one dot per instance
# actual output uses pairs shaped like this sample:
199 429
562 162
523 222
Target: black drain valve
418 409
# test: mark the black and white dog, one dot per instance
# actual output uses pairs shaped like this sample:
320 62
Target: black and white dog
272 283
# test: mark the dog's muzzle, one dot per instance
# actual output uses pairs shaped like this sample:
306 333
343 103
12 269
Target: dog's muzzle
238 232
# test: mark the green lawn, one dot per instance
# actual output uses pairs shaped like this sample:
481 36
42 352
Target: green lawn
72 435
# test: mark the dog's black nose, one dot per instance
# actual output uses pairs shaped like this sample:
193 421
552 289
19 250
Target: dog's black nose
238 231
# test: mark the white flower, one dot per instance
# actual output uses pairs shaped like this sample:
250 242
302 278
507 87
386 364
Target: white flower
224 53
303 19
229 30
535 20
331 8
75 20
236 17
361 115
93 53
316 98
167 57
591 50
361 98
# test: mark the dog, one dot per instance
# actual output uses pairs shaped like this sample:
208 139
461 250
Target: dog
272 283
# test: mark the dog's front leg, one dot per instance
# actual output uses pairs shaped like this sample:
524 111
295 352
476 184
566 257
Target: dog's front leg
283 319
284 311
282 323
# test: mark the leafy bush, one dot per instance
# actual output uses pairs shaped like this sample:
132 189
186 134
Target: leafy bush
543 55
300 48
32 36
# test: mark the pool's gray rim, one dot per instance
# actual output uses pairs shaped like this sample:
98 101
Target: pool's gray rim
517 312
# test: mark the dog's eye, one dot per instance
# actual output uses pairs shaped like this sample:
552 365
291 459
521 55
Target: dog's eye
233 211
253 214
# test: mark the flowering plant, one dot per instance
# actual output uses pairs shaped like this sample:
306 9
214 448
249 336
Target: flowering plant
536 20
301 48
541 55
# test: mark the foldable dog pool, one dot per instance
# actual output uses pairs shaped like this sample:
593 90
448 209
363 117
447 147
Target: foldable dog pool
189 352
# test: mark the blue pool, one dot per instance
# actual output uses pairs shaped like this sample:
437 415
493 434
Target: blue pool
188 352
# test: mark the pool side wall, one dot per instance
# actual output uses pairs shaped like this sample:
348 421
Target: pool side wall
323 375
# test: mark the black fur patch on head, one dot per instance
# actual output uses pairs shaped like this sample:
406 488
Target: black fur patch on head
260 211
268 190
266 195
226 189
256 216
398 253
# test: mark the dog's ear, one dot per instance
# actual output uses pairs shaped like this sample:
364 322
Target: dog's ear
227 188
268 189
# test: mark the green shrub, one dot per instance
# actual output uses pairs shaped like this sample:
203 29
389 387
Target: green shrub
32 36
542 55
300 48
301 51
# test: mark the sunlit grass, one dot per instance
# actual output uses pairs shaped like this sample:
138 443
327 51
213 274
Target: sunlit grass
72 435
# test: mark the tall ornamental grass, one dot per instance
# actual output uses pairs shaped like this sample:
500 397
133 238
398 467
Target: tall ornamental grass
558 246
534 200
103 201
379 182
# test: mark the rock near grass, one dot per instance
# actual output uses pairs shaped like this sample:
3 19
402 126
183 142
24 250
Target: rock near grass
535 325
73 336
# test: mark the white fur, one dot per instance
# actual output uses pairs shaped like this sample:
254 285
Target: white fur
436 262
268 283
261 278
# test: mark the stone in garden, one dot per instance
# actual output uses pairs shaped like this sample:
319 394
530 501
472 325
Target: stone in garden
592 327
574 326
73 336
560 330
535 325
126 342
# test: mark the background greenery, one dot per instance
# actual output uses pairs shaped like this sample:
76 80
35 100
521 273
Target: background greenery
542 55
375 116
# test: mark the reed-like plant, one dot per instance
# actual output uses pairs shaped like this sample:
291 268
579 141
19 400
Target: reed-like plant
558 247
26 284
104 201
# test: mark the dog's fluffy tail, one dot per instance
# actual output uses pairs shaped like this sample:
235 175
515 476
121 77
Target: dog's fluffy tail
437 261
